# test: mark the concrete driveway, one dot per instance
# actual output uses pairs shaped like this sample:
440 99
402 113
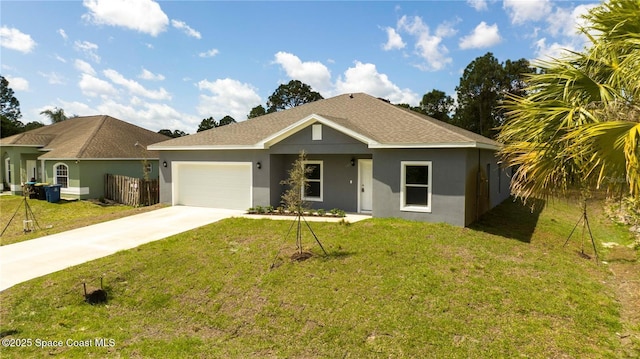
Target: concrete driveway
30 259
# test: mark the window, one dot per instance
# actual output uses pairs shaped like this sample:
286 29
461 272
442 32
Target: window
416 186
61 175
313 182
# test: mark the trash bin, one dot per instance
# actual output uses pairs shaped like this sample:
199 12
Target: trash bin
52 193
40 190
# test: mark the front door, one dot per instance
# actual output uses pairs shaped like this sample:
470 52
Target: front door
365 185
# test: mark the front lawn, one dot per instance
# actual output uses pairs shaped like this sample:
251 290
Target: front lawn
389 288
55 217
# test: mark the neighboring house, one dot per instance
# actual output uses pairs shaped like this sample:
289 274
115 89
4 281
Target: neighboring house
77 153
366 155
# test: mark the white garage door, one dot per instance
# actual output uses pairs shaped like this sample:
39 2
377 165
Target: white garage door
212 184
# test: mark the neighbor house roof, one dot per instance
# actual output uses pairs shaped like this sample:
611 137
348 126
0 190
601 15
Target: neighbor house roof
371 120
89 137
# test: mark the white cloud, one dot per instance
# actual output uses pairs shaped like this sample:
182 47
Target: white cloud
366 78
148 75
134 87
63 34
144 16
84 67
18 83
94 87
567 22
554 50
53 78
229 97
88 49
428 47
482 36
210 53
312 73
530 10
394 40
181 25
14 39
479 5
61 59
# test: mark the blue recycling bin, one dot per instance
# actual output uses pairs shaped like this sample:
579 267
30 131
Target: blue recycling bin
53 193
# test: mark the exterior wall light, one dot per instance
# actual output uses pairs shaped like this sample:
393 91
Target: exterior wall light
164 164
259 165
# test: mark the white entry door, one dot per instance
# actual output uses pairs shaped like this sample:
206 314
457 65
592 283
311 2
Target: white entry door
365 185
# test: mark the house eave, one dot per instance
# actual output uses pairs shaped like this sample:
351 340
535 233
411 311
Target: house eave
483 146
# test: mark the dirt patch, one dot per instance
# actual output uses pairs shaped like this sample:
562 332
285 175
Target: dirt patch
623 263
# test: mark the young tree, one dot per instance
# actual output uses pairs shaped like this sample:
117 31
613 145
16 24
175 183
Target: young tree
293 94
9 110
297 184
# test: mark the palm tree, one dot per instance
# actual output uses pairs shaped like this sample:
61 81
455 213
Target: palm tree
56 115
579 124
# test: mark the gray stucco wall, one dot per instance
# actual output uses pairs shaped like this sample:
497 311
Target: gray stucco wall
454 175
448 184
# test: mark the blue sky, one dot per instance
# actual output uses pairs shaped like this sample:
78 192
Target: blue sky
169 64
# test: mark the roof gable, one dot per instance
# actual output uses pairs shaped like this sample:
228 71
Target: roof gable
375 122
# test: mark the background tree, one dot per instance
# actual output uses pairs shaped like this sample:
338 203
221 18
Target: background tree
207 124
257 111
9 110
438 105
56 115
483 87
579 122
174 134
33 125
293 94
226 120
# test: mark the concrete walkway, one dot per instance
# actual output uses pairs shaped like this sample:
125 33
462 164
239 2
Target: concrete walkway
30 259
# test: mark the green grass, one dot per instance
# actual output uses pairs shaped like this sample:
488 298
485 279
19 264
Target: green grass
388 288
55 217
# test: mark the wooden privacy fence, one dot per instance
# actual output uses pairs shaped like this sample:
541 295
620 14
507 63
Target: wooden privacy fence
131 191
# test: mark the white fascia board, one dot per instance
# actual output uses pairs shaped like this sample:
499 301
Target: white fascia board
307 121
438 145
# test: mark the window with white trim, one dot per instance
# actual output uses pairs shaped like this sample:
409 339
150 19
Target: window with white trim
61 172
415 191
313 181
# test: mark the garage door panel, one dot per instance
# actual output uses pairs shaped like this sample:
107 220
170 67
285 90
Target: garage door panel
214 184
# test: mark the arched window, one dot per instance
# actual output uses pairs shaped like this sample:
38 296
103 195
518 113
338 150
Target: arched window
61 173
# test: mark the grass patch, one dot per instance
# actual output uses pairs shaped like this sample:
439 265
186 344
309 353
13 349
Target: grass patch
388 288
56 217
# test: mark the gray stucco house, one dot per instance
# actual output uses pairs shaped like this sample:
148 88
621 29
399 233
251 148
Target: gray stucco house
77 153
366 156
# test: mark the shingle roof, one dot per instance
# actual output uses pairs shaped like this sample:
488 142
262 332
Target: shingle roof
89 137
383 124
